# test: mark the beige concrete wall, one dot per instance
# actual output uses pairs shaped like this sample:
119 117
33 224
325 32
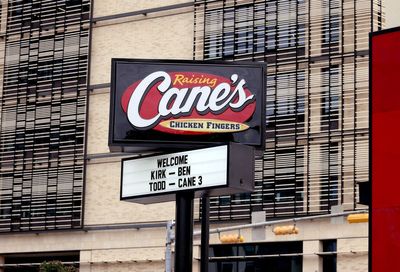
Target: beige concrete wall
123 260
99 110
352 242
110 7
160 36
144 249
106 250
102 199
86 240
166 37
352 262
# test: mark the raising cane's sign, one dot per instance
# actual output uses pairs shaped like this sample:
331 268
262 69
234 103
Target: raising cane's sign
170 103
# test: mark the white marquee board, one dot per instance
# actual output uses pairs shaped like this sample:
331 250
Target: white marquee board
169 173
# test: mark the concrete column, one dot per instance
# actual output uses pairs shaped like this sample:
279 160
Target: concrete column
196 259
339 219
85 258
258 234
312 262
2 261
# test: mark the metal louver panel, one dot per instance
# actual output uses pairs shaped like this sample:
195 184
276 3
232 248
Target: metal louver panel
43 112
317 97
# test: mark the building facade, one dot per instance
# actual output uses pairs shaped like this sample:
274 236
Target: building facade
59 183
317 98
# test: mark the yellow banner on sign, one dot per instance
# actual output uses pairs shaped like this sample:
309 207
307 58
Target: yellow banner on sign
204 125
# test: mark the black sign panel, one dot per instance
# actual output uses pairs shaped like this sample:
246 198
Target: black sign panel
173 104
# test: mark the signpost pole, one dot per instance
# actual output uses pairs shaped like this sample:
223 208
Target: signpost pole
184 232
205 234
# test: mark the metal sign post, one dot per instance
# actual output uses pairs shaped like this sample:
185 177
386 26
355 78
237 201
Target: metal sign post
213 171
184 232
205 233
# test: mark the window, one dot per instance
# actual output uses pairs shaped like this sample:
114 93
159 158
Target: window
243 23
331 30
213 22
243 198
259 39
243 29
286 94
270 36
29 262
331 19
285 113
287 36
329 180
330 102
329 259
263 261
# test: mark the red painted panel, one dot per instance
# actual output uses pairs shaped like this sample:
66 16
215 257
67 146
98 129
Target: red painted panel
385 127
